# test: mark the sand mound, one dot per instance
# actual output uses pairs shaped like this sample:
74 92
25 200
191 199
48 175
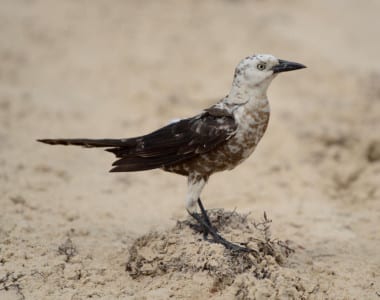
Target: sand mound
181 251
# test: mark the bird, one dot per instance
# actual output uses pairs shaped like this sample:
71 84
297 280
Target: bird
218 138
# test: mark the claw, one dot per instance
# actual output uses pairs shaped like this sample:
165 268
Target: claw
207 228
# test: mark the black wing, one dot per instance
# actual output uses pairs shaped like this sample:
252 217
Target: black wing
175 142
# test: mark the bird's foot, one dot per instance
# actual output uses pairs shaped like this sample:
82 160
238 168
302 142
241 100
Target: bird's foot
204 225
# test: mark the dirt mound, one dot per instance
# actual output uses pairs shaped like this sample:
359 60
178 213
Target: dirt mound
183 250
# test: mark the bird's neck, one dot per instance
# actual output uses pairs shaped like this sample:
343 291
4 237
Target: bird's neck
244 92
250 106
251 98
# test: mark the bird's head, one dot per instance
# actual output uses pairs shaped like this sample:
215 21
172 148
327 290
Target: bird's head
257 71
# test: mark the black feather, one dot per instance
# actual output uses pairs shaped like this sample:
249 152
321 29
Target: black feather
88 143
175 143
171 144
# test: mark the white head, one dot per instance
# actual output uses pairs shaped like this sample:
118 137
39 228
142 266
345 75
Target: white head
257 71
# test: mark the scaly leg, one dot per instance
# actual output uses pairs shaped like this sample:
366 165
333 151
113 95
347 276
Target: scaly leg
204 222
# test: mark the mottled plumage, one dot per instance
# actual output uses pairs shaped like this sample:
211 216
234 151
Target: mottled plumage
217 139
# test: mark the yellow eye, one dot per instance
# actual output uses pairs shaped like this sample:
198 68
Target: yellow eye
261 67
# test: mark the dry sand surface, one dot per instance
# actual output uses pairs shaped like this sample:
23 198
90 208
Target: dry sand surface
70 230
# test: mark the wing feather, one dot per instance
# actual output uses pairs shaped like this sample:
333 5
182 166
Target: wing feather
175 142
169 145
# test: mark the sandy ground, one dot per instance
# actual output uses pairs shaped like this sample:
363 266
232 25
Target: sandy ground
70 230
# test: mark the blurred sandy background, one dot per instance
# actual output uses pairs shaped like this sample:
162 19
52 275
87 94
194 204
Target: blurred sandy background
121 68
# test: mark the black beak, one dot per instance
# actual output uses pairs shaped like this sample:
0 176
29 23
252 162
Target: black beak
285 66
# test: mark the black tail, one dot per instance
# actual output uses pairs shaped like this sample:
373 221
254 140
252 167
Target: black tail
125 149
169 145
88 143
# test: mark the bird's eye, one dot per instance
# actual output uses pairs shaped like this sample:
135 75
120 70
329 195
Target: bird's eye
261 67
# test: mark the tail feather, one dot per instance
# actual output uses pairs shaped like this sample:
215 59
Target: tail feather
90 143
135 163
125 149
169 145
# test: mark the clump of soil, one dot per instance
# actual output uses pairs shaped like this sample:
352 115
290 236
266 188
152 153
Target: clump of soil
182 249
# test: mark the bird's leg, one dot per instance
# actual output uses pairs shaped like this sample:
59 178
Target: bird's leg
204 212
196 184
205 223
199 226
206 219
